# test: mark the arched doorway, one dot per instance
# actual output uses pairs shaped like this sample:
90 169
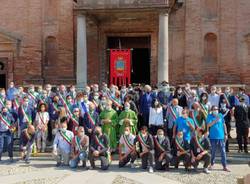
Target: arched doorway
3 72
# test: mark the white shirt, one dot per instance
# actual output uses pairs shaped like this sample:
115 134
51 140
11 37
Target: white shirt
214 99
41 118
156 116
125 148
61 144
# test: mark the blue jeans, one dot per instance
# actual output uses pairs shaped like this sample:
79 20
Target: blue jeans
221 144
73 163
6 137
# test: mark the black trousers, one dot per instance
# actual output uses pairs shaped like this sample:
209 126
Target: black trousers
242 134
206 159
153 129
186 158
147 159
159 164
103 159
130 158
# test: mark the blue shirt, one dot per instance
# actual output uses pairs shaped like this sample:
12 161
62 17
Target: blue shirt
217 130
183 126
11 92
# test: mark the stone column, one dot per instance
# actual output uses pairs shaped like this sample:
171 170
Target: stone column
81 66
163 52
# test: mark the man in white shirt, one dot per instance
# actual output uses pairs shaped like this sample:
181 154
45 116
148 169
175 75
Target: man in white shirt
62 143
213 97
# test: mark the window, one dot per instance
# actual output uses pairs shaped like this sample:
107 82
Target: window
210 47
50 51
211 8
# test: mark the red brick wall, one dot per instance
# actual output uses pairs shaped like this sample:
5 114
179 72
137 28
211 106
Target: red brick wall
33 21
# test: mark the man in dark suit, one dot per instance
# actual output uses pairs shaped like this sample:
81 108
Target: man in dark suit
145 104
242 116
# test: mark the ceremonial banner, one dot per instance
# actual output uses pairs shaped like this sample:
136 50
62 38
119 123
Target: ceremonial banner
120 60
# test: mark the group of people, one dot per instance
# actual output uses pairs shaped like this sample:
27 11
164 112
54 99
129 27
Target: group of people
162 125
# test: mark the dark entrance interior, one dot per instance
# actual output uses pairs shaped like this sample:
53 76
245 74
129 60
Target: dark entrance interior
2 80
140 66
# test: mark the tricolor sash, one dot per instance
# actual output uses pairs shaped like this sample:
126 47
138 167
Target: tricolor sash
172 112
227 101
190 125
179 146
195 120
65 105
65 137
5 121
74 120
32 96
40 117
91 119
101 145
158 145
128 144
186 93
204 109
15 103
2 102
55 107
78 143
198 142
142 141
99 142
117 104
26 116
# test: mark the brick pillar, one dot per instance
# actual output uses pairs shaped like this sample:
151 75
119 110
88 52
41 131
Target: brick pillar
81 66
163 68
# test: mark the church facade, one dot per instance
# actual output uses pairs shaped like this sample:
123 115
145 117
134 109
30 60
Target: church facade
67 41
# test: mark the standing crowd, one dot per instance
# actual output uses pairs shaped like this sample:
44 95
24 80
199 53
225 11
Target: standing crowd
162 126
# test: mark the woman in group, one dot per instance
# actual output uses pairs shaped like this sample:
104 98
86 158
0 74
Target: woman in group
155 117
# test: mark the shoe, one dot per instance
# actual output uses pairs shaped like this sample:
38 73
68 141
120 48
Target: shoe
226 169
240 150
27 161
246 151
205 170
167 168
58 164
11 159
151 170
195 169
132 165
211 167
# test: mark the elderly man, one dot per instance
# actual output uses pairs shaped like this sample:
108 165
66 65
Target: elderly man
145 104
173 112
